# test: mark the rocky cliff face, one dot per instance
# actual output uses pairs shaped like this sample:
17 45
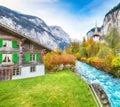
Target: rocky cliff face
112 19
61 37
35 28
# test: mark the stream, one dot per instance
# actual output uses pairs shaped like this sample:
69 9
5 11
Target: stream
110 85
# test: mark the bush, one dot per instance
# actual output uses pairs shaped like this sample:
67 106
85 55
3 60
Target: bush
116 66
77 55
96 62
83 59
83 52
67 59
116 62
92 49
54 60
107 55
93 60
105 52
116 72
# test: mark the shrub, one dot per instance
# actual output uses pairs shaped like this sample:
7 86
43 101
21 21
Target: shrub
93 60
84 59
54 60
67 59
116 66
96 62
105 52
116 62
92 49
77 55
83 52
116 72
107 55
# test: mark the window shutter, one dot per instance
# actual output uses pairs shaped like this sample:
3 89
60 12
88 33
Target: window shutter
15 58
14 44
1 42
27 57
37 57
0 58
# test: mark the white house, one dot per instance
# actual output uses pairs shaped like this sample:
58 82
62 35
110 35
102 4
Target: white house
20 56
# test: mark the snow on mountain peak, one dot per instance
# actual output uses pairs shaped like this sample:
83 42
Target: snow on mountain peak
34 27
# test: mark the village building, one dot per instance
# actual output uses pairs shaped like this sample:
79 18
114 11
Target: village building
20 56
96 35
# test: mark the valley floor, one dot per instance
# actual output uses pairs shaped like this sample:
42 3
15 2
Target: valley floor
61 89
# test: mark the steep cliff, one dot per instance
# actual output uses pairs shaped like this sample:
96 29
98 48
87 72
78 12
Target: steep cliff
112 19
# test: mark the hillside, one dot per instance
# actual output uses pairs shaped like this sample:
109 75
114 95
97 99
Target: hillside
114 9
33 27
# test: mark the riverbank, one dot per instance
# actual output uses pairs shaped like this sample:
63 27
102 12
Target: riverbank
110 85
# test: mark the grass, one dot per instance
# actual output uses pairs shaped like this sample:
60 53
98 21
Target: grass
61 89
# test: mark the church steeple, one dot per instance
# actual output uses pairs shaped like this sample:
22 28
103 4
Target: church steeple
96 30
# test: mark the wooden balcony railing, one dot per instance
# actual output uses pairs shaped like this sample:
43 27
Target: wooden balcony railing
8 49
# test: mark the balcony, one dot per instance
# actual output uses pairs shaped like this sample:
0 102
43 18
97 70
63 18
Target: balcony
31 63
9 49
7 63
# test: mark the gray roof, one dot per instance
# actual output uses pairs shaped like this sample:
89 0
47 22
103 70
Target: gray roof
18 34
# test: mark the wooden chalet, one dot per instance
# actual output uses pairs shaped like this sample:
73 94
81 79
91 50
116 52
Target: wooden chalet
20 56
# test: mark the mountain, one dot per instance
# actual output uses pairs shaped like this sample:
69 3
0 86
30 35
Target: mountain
113 9
61 37
53 37
112 19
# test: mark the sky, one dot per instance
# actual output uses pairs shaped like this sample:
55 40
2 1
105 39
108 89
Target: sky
76 17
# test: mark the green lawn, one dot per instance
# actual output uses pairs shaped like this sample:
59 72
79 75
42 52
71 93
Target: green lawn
61 89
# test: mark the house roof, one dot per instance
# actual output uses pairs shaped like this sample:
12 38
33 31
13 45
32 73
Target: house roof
18 34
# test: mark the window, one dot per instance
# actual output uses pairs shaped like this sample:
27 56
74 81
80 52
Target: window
30 46
16 71
7 58
7 43
32 69
32 57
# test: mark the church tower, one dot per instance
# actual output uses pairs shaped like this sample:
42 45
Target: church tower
96 35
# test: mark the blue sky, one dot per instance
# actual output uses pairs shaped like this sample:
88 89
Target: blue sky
76 6
76 17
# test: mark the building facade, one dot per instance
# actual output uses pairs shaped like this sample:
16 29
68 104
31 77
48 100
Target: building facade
20 56
96 34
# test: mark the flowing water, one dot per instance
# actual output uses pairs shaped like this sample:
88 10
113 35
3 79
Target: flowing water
110 85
